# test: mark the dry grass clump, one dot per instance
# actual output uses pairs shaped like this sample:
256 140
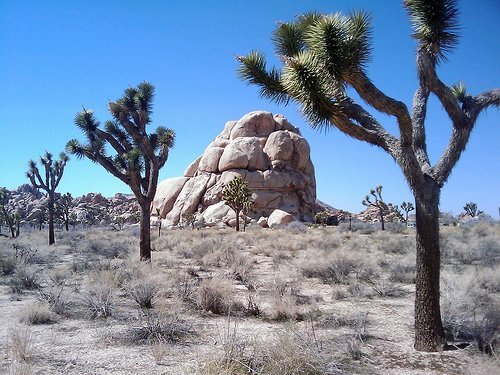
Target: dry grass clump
25 277
98 298
21 344
332 269
158 325
285 351
216 296
470 312
37 313
144 291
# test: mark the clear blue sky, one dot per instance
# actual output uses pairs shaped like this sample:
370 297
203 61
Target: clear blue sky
56 56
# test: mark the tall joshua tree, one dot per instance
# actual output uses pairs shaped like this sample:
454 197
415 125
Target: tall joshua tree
139 156
378 203
48 181
237 194
323 56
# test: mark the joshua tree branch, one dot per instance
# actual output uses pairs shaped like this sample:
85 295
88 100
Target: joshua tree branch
419 111
383 103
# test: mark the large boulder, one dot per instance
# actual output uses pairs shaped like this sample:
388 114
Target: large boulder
267 151
166 194
278 218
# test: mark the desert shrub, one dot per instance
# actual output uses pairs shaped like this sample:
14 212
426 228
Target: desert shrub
402 272
215 296
398 245
184 285
98 299
469 312
7 263
363 228
333 270
292 353
144 291
396 228
488 252
384 288
284 352
296 227
253 307
158 325
21 344
240 268
25 278
37 313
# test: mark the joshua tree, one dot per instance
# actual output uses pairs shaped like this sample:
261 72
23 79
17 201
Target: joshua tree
324 58
471 209
378 203
51 177
63 206
139 155
11 219
407 207
237 194
188 220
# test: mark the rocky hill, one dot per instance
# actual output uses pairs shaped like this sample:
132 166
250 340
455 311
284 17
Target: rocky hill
266 151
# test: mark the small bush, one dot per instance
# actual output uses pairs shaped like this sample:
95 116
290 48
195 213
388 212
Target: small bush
24 278
402 272
388 289
98 300
21 344
37 313
158 325
332 271
488 252
144 292
8 264
214 296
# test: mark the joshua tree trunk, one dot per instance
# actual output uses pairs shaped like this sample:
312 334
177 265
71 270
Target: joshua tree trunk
429 332
382 217
52 239
145 235
237 220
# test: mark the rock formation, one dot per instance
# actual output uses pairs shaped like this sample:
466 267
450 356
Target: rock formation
267 151
89 209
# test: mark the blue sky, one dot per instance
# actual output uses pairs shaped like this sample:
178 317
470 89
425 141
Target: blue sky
56 56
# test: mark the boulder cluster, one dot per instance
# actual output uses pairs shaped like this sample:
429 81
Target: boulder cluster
89 209
267 152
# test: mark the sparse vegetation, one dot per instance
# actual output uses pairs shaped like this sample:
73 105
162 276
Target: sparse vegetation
299 298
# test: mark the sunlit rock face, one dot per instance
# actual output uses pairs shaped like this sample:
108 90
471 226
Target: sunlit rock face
267 151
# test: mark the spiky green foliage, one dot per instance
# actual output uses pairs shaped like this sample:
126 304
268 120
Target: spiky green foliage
48 180
435 25
137 156
237 195
471 209
459 91
319 52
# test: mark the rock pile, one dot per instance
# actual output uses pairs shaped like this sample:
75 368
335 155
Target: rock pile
266 151
89 209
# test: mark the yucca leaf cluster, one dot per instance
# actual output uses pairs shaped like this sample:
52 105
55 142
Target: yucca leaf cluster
320 53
